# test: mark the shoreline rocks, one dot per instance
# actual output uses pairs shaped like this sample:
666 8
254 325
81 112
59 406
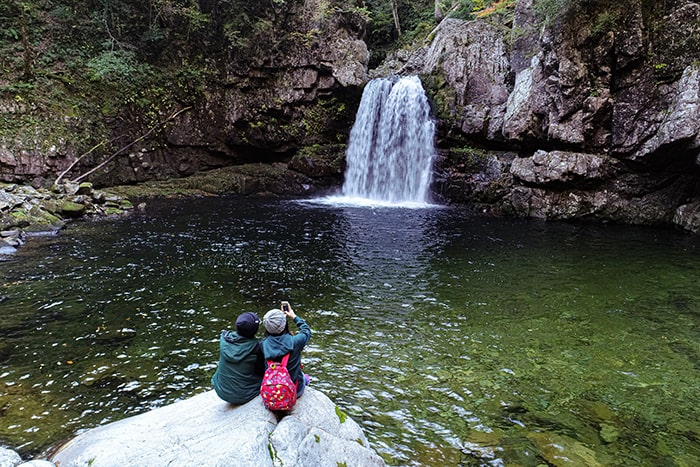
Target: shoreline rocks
27 211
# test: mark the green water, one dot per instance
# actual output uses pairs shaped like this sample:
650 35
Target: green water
452 339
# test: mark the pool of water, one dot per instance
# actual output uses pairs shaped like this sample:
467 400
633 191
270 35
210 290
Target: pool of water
453 339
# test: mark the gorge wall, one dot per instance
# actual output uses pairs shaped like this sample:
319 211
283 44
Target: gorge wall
592 116
589 113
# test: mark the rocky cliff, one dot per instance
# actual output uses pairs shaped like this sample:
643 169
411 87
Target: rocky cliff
594 115
259 82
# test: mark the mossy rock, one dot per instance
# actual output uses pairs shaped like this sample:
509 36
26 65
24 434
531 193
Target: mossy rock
35 219
19 217
113 211
319 161
85 188
561 450
71 209
126 204
609 433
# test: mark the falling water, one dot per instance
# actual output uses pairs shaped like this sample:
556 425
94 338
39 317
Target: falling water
390 152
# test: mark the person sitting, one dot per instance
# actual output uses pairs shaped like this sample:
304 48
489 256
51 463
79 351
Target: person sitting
279 341
241 364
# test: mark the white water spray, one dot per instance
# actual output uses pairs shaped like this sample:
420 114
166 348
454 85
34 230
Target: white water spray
391 150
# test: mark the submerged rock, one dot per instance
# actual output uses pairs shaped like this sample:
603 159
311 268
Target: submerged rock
205 430
559 450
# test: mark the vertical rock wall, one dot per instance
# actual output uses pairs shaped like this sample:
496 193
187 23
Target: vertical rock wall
606 82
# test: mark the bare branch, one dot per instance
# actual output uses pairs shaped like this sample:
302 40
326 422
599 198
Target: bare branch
140 138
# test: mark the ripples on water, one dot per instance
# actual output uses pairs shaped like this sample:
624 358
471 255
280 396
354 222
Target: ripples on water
453 339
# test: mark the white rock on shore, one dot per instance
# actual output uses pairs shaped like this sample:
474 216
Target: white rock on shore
9 458
206 431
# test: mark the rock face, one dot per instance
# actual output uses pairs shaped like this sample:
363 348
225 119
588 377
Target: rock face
273 78
207 431
599 109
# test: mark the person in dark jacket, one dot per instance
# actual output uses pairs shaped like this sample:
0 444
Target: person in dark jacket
279 342
241 363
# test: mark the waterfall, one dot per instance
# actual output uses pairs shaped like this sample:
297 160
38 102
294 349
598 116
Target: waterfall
391 149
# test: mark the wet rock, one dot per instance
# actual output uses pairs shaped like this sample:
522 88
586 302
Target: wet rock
609 433
25 209
84 188
562 168
597 411
320 161
13 242
5 350
102 377
10 242
71 209
687 216
98 197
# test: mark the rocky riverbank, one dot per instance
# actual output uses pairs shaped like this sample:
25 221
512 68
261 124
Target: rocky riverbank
27 211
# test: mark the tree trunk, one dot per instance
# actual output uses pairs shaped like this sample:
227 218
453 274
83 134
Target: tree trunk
395 13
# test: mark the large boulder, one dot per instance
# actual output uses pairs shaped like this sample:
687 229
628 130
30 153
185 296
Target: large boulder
207 431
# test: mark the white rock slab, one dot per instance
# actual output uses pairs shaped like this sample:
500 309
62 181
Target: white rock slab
206 431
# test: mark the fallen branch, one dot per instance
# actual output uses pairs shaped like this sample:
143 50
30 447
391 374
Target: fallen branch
140 138
62 174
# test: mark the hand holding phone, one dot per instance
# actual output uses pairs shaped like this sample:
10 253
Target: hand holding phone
287 309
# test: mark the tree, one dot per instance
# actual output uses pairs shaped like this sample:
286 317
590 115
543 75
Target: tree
395 14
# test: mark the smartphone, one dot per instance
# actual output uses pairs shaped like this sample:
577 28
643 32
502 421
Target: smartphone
285 306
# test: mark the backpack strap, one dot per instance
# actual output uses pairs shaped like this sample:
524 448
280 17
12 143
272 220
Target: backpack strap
284 361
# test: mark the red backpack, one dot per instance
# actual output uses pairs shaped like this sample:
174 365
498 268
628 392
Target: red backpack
277 390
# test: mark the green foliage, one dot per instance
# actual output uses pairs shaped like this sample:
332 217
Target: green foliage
381 26
464 10
548 10
117 66
605 21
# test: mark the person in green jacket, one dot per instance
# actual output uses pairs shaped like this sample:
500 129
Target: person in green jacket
241 363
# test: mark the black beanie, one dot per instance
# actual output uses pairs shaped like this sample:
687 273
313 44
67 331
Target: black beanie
247 324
